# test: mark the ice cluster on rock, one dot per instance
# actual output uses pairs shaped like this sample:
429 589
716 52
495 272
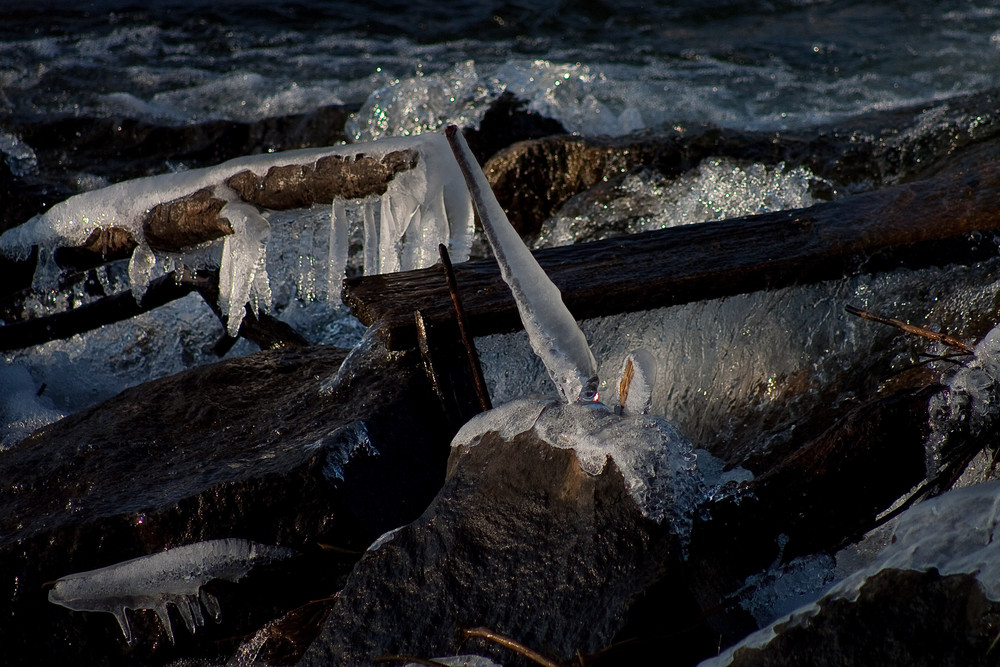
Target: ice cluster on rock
174 577
955 533
423 205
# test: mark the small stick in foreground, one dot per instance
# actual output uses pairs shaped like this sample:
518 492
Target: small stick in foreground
909 328
507 642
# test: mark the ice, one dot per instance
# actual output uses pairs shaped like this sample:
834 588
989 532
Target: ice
657 462
460 661
718 189
421 208
637 379
553 332
243 257
952 534
746 370
19 156
173 577
23 407
972 401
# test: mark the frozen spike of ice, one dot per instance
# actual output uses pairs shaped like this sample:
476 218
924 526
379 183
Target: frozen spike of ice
390 231
211 604
635 383
242 252
371 246
552 331
140 267
173 577
119 613
338 246
164 616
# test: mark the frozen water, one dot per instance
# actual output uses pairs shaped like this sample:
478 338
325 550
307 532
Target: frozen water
23 410
657 462
421 208
953 534
719 188
637 378
553 332
972 400
749 368
19 156
173 577
461 661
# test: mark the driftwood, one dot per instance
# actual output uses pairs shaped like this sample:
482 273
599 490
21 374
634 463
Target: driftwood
262 329
939 221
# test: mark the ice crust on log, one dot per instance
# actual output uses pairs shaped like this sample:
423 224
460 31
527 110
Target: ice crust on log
173 577
406 196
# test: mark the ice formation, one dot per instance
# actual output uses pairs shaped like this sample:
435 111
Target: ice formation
173 577
656 461
955 533
553 332
423 204
658 464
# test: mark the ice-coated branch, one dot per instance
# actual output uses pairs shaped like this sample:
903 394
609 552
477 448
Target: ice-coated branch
552 331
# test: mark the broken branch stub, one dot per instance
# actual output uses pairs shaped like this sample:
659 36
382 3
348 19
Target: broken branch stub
299 186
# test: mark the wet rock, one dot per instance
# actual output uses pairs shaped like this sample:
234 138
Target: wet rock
521 541
900 618
931 597
267 447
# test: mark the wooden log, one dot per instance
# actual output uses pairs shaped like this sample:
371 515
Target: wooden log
937 221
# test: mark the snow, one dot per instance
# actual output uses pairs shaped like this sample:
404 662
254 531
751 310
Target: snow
954 533
421 208
173 577
552 331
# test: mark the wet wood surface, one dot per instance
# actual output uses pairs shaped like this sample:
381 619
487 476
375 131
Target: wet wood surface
935 221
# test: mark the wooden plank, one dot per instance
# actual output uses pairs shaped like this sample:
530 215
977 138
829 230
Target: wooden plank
937 221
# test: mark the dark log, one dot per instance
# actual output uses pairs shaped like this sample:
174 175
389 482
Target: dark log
938 221
107 310
266 331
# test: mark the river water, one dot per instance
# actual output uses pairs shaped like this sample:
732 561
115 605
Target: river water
411 67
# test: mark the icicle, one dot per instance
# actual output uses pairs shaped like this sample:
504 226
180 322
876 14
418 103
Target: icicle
241 254
371 245
337 250
635 383
140 267
389 233
173 577
552 331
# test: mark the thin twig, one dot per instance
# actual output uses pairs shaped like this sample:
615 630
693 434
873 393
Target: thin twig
470 349
911 329
513 645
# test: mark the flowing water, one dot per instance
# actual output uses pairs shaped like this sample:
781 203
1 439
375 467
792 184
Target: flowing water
408 68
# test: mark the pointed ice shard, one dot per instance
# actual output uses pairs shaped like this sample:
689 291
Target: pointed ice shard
337 260
552 331
242 252
635 383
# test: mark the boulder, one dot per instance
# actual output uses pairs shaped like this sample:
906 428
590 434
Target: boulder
524 541
275 447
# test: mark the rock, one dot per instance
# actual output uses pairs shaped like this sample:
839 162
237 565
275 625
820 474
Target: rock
267 447
931 597
520 540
